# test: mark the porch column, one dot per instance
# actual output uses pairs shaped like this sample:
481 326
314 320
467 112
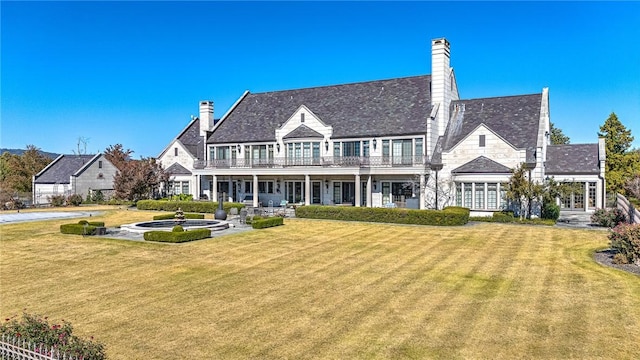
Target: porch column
255 191
307 189
358 190
196 183
586 195
599 198
369 189
214 189
423 192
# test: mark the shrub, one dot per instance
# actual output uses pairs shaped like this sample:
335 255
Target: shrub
177 228
625 239
265 223
92 223
74 200
181 197
78 229
97 196
447 217
171 216
503 216
550 211
177 237
120 202
508 219
251 219
56 200
187 206
608 217
38 331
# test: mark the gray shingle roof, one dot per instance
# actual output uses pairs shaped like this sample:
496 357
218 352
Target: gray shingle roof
177 169
481 165
62 168
191 139
302 132
572 159
385 107
514 118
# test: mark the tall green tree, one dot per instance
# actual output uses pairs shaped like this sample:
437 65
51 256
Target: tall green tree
557 136
522 192
622 164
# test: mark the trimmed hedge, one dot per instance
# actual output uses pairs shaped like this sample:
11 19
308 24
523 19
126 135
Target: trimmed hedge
186 206
92 223
172 216
265 223
77 229
177 237
449 216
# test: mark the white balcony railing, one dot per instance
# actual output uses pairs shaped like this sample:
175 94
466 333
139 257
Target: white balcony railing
326 161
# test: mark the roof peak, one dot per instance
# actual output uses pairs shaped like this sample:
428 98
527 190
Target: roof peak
340 85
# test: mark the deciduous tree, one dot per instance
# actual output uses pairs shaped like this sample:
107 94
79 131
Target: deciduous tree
139 179
117 155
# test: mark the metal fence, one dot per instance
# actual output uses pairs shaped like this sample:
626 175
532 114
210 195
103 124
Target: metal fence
12 348
629 210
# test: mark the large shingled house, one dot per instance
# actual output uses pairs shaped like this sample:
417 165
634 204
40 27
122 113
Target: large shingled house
404 142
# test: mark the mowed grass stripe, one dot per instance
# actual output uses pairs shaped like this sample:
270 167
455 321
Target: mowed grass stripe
330 289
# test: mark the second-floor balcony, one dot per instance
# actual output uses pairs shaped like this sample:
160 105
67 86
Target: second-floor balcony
326 161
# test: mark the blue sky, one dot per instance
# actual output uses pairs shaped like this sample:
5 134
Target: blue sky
134 72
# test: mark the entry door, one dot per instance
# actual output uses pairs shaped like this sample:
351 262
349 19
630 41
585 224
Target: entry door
349 192
316 190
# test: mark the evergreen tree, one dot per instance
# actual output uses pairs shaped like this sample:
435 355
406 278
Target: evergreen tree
622 164
557 136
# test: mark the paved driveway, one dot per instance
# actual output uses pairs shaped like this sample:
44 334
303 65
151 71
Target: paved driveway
8 218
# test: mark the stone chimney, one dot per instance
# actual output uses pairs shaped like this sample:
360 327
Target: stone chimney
206 117
442 85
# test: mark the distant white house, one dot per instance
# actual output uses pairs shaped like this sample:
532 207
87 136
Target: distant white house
74 174
402 142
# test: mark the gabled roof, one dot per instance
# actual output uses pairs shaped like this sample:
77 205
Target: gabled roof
177 169
572 159
61 169
190 138
385 107
513 118
303 132
481 165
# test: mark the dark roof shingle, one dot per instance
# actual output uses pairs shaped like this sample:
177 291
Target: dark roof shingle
191 139
514 118
303 132
481 165
572 159
177 169
385 107
61 170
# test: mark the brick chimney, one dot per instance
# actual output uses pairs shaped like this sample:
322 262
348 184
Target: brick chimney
206 117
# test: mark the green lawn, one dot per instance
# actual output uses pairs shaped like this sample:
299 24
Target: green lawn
328 289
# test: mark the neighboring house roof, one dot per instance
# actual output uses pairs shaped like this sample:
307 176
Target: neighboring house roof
481 165
386 107
177 169
302 132
513 118
61 169
572 159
